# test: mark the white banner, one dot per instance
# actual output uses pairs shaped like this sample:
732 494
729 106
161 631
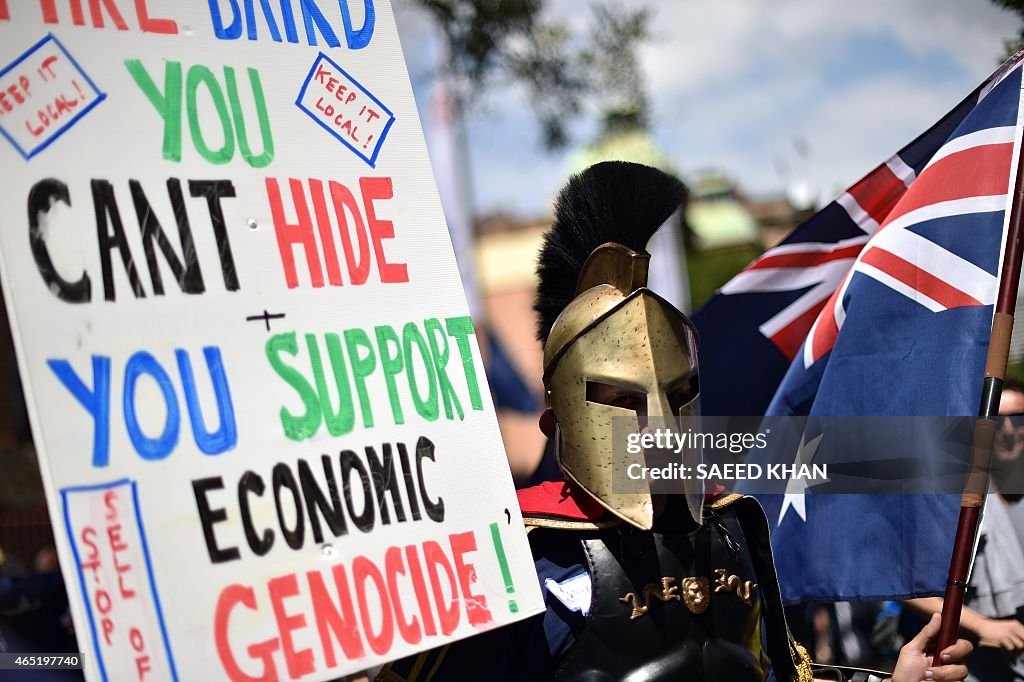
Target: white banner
267 440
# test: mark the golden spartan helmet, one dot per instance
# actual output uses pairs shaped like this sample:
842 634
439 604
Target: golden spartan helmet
617 356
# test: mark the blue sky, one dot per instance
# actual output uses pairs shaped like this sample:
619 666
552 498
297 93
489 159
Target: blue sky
774 94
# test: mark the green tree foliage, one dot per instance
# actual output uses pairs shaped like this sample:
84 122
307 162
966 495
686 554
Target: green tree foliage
514 41
618 83
1017 7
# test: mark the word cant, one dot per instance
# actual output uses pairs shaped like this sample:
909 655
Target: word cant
376 489
111 237
421 355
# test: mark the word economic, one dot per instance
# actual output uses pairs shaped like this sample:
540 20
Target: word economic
363 496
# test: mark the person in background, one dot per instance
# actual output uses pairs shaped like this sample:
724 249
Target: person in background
1008 462
993 611
46 560
640 582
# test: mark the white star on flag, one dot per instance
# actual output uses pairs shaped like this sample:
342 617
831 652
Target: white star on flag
796 485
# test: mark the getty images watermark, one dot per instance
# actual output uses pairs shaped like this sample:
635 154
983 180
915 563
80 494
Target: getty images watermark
676 444
816 455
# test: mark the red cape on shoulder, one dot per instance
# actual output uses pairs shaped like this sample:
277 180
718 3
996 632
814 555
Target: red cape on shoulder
563 500
560 500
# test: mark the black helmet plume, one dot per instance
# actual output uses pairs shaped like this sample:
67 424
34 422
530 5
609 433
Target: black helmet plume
613 201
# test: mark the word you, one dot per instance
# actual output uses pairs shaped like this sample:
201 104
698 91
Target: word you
168 104
143 365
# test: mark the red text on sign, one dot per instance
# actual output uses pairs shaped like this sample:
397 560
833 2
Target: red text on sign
355 221
100 11
110 577
350 608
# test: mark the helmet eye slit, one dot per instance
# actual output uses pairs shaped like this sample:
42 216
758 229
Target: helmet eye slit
617 396
684 392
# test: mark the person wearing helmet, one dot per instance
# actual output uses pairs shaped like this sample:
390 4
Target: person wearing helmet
643 579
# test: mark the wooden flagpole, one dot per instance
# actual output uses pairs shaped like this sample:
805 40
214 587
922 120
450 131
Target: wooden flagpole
973 500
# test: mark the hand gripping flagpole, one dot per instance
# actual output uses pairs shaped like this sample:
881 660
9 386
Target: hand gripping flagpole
973 500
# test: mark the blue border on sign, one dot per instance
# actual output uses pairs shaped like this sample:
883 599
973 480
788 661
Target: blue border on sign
145 552
152 581
372 159
100 96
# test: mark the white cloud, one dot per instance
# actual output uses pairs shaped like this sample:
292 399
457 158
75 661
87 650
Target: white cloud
861 126
733 82
707 43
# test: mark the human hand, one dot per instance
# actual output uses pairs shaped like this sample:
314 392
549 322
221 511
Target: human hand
1004 634
915 663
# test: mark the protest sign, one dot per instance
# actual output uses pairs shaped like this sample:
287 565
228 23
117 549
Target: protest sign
266 437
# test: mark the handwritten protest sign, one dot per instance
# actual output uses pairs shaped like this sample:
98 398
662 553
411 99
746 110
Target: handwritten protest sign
267 441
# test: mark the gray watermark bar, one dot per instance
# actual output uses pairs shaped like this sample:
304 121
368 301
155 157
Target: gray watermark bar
813 455
14 661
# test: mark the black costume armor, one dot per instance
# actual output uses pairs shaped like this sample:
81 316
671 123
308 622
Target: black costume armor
679 606
680 586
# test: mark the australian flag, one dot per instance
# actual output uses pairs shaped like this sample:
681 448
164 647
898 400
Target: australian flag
880 304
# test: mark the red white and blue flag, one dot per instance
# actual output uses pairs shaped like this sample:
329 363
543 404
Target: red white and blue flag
880 304
768 309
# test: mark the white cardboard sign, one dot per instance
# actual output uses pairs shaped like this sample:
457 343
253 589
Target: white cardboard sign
267 441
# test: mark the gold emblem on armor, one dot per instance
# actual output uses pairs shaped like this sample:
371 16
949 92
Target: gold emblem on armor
733 583
666 591
694 592
696 595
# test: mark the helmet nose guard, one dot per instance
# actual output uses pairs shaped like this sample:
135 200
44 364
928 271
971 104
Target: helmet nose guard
617 333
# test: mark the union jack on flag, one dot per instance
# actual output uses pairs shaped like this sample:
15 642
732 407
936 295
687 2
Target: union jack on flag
880 305
885 227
